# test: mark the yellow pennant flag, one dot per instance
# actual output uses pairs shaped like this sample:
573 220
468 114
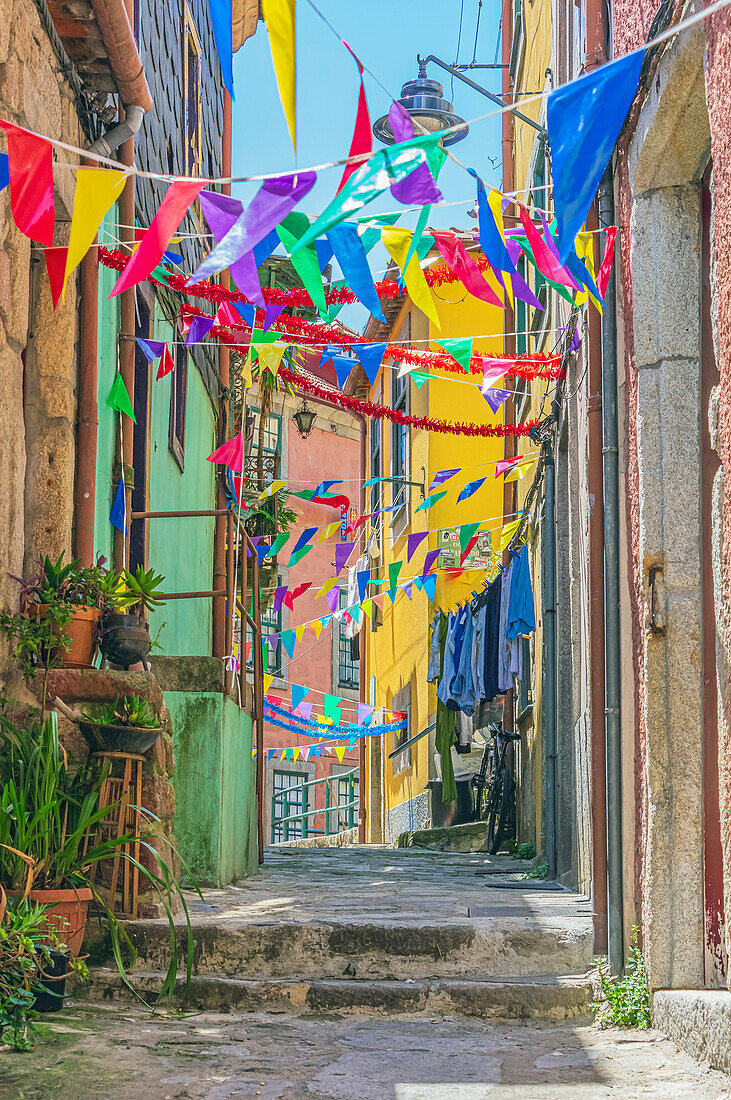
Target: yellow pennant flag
327 533
296 752
317 628
270 356
397 240
495 201
367 607
267 682
299 631
279 16
507 533
271 489
97 189
340 752
246 378
329 583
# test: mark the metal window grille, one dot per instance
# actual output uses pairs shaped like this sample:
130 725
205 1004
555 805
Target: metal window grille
347 793
294 801
376 471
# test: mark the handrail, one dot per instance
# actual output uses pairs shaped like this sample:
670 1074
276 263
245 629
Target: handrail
313 813
412 740
314 783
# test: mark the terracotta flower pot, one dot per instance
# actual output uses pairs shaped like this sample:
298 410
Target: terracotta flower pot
83 637
68 912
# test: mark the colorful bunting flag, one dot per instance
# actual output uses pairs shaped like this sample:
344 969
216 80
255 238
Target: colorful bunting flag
97 189
351 255
280 19
230 454
470 488
30 169
342 552
362 141
429 586
495 397
430 501
441 476
167 364
396 240
288 640
429 560
119 398
332 708
305 261
460 348
118 514
56 267
459 261
279 542
413 541
419 186
362 579
270 356
221 24
393 574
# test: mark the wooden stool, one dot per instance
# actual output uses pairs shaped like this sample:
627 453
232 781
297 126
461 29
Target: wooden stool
125 792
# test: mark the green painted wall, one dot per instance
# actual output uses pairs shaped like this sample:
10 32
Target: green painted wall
214 781
108 430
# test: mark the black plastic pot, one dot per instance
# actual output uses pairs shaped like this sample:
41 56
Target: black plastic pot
133 739
52 988
124 640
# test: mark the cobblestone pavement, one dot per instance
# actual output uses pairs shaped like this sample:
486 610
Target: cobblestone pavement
94 1053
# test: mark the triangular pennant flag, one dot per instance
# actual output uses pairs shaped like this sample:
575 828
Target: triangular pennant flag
413 541
306 710
364 711
151 349
300 631
199 327
417 583
261 552
362 578
267 680
367 608
340 751
419 378
246 309
278 543
362 141
270 356
342 552
271 312
288 640
118 514
4 171
462 265
97 189
178 198
279 16
329 583
430 501
333 598
119 398
507 533
584 119
495 397
419 187
298 694
396 240
296 752
351 255
470 488
317 628
222 26
30 168
460 348
279 593
304 538
408 588
167 364
298 555
230 454
56 267
332 708
429 560
305 261
271 753
504 464
441 476
602 278
393 573
466 532
371 357
429 586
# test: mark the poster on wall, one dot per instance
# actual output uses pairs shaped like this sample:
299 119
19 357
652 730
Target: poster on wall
449 550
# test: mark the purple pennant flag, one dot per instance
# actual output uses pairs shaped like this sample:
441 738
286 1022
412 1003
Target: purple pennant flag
199 327
270 315
306 710
495 397
412 543
279 598
364 711
273 640
408 588
275 199
342 552
429 560
222 213
575 343
151 349
419 187
441 476
253 541
332 597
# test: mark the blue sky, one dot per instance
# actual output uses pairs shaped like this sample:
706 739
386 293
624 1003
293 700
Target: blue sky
386 35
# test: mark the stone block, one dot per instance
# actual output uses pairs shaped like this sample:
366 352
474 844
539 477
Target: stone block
92 685
193 674
158 796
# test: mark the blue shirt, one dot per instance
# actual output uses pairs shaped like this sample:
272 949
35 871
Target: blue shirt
521 612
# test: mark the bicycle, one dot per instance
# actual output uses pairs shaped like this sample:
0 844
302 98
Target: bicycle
494 786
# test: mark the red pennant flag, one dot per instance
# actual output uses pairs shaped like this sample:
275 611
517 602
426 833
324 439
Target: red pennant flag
227 315
173 208
468 549
30 165
167 363
362 135
292 596
56 267
602 277
459 261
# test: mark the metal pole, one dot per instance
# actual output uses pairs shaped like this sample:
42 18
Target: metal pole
258 703
612 630
423 61
549 653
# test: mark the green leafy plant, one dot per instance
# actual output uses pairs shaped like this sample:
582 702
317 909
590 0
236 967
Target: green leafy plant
625 1001
138 591
538 870
130 710
52 816
26 937
524 851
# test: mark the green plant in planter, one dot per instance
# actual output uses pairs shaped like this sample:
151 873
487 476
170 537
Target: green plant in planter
137 592
50 815
130 710
26 938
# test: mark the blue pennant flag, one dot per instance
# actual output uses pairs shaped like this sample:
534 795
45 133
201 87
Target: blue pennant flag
265 247
324 251
371 356
470 488
351 255
584 121
304 538
362 578
4 171
118 514
248 312
221 22
151 349
429 585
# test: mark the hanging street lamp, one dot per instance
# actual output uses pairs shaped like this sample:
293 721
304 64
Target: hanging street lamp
304 418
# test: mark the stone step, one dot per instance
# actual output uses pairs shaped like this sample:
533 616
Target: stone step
375 951
536 998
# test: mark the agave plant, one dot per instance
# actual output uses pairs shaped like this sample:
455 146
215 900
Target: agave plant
138 591
130 710
52 817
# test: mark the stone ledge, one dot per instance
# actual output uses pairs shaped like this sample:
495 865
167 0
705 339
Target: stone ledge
194 674
698 1021
93 685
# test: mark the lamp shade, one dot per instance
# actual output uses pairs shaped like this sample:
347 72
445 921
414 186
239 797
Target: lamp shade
304 418
424 99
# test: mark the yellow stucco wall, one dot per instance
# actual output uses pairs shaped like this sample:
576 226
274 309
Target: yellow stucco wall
397 652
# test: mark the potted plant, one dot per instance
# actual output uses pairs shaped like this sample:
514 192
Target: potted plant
128 724
50 817
26 956
125 637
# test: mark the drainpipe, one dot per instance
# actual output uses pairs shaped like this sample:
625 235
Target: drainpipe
612 689
510 446
219 534
549 711
596 55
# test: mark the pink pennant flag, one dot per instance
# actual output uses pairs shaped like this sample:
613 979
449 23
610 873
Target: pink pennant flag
167 363
492 369
305 710
602 275
362 134
459 261
230 454
547 262
56 266
506 463
227 315
30 167
178 198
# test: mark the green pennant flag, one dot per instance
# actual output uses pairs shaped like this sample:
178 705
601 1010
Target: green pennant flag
119 398
431 501
260 337
278 543
561 290
305 494
393 571
332 708
375 176
419 378
161 275
466 532
265 654
305 261
460 349
299 554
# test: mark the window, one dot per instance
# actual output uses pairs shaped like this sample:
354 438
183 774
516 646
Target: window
402 702
540 286
347 793
271 623
400 432
289 797
348 664
376 471
192 75
178 401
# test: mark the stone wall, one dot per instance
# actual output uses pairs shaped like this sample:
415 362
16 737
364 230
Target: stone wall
38 358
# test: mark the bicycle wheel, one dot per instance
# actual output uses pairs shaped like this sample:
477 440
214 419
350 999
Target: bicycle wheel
499 811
